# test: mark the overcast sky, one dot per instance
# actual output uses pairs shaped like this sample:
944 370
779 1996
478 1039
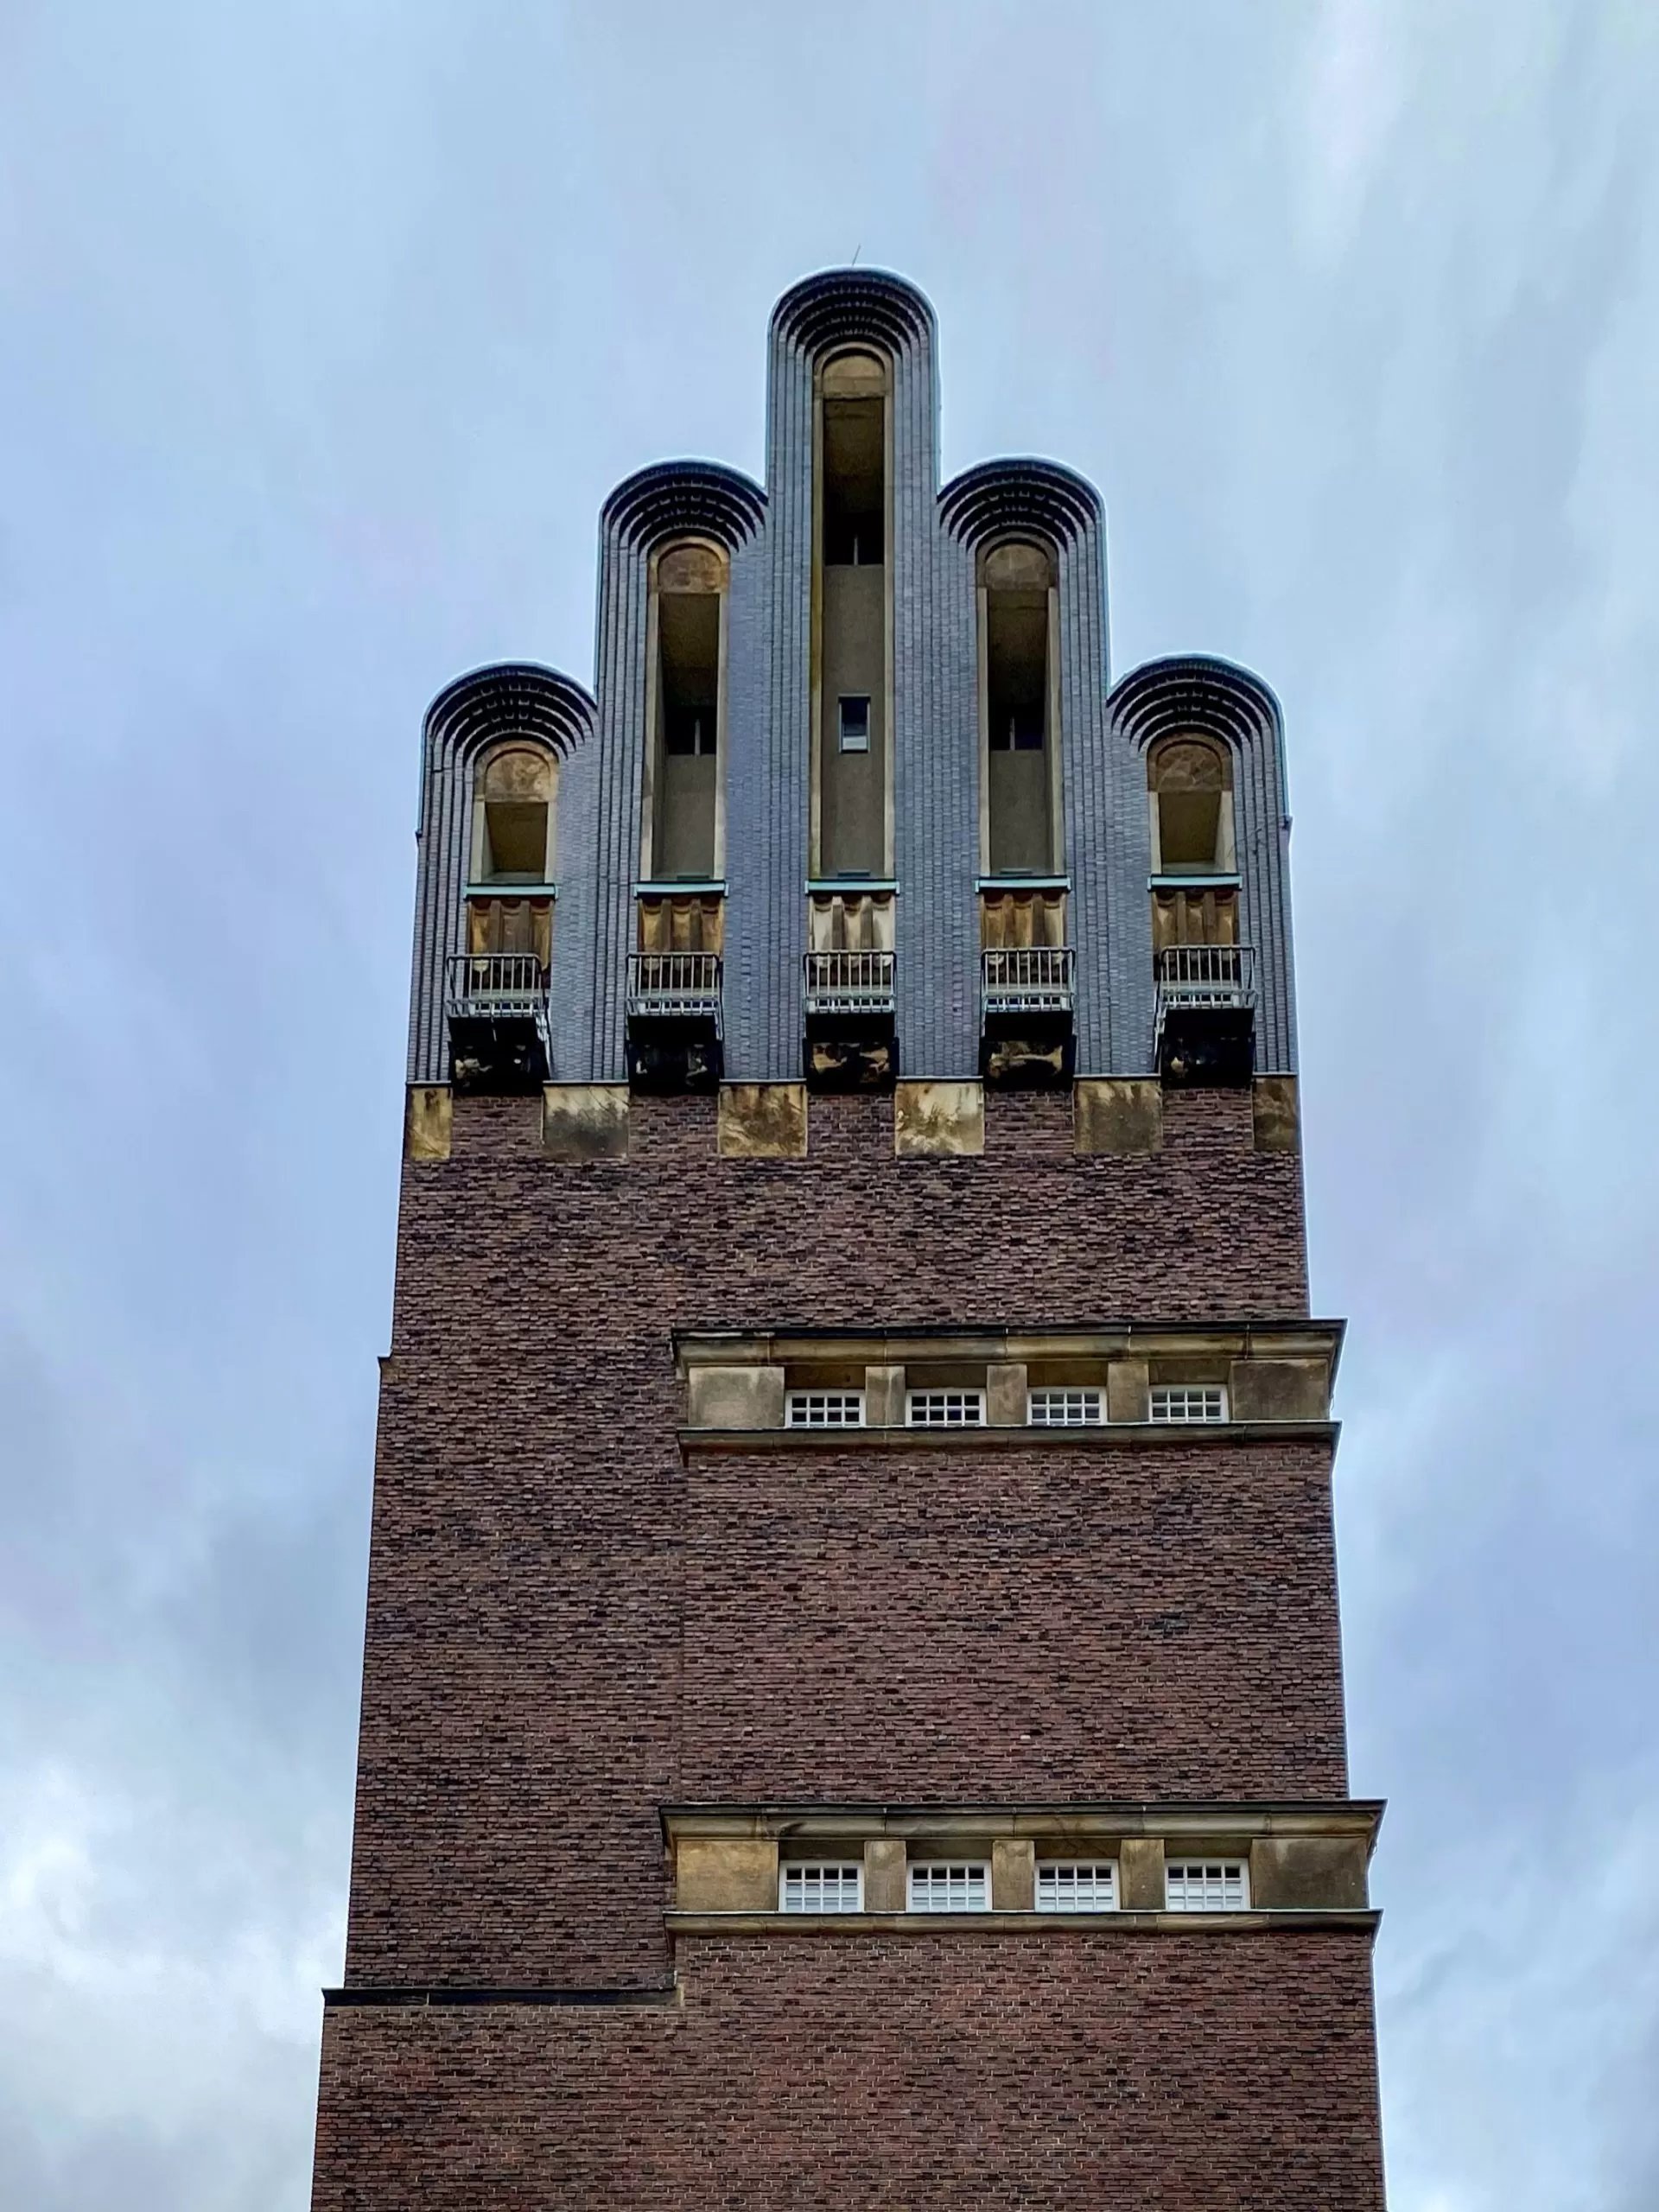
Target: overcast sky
328 325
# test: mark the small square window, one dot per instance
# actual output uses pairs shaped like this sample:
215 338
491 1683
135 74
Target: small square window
1066 1408
1206 1885
824 1409
945 1408
854 722
1076 1885
953 1888
1187 1401
838 1888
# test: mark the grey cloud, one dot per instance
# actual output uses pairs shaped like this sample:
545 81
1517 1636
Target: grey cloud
330 328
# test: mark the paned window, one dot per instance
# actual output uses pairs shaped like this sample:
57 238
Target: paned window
1206 1885
824 1409
1076 1885
953 1888
1066 1408
1187 1401
854 722
821 1888
945 1408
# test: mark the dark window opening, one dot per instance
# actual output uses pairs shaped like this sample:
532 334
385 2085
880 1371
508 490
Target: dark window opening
688 730
854 503
855 723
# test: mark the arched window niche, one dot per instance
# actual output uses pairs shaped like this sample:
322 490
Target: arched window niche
683 813
510 889
852 824
1190 795
1019 711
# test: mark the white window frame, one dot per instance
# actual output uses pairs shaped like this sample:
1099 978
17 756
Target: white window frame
948 1885
823 1409
1207 1886
1068 1407
812 1885
1076 1885
945 1409
1187 1404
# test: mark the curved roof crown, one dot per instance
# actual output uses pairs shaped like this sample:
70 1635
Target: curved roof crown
839 306
691 495
510 699
1020 494
1194 691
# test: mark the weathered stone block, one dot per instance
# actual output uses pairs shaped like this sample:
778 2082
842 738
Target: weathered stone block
1140 1873
884 1874
884 1397
1014 1874
1308 1873
1275 1114
429 1120
736 1397
726 1874
1279 1390
1118 1114
930 1119
585 1120
762 1121
1005 1394
1128 1382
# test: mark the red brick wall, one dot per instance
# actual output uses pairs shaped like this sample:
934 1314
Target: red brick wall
567 1627
1197 2073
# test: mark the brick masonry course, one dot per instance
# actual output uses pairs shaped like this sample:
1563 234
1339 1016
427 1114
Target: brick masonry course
1222 2074
569 1625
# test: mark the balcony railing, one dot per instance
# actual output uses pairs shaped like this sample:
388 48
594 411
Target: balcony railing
496 987
673 987
1205 976
848 982
1026 979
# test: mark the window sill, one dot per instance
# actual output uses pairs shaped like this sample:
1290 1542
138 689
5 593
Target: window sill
1109 1436
681 886
1252 1922
513 890
1199 879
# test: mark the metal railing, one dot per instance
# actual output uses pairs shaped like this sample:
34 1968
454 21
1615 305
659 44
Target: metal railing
497 985
674 986
849 983
1027 979
1206 976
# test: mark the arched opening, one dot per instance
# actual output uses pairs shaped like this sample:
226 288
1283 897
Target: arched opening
683 831
1020 829
853 779
1190 778
510 894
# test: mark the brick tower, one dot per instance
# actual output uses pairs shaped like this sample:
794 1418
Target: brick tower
852 1703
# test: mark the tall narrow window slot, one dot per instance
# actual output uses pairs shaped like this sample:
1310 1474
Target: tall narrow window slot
853 780
1019 834
684 815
